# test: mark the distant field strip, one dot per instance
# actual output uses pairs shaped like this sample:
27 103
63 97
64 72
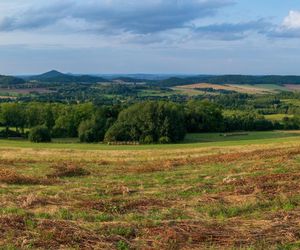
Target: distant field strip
255 89
278 117
294 87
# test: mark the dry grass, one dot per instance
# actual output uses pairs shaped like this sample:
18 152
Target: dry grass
237 88
8 176
122 206
281 154
221 197
47 234
68 170
200 234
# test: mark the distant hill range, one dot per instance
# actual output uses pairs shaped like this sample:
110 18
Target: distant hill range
229 79
10 80
58 77
54 76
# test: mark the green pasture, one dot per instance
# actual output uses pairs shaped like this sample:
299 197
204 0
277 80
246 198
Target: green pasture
191 140
277 117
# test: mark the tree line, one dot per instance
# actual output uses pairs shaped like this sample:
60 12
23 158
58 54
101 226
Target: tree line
144 122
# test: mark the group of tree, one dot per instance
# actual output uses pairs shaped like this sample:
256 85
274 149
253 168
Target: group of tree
144 122
149 122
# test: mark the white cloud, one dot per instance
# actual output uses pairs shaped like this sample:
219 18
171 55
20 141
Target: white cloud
292 21
99 23
289 28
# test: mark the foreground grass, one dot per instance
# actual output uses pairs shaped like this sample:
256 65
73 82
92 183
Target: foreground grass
213 195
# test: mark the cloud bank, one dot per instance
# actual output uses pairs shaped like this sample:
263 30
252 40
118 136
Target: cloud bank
136 16
147 21
209 36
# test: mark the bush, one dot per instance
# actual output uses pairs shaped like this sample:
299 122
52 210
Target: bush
40 134
9 133
164 140
148 140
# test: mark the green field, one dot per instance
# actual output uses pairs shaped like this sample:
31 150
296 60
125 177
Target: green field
239 191
272 87
191 140
294 102
277 117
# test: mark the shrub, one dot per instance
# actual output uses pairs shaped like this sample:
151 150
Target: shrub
9 133
40 134
164 140
148 140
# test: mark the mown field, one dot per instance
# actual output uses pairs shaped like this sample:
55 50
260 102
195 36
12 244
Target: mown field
199 88
211 192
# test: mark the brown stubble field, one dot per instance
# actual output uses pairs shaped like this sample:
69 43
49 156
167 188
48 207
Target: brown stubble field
230 87
220 197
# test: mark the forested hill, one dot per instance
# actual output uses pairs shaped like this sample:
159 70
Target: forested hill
229 79
10 80
58 77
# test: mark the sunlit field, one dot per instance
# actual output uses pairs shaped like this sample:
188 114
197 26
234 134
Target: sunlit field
215 191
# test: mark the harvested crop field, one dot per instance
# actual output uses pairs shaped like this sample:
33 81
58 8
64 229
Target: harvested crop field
293 87
25 90
228 87
214 197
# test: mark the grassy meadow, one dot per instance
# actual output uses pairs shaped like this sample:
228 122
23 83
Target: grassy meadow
277 117
214 191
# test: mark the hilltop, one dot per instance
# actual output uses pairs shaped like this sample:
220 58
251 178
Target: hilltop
54 76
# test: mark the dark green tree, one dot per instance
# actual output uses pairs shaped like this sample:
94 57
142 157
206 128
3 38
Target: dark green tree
40 134
203 116
149 121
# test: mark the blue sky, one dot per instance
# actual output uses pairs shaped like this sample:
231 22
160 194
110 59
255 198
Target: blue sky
150 36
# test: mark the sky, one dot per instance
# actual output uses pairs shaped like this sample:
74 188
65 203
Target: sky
150 36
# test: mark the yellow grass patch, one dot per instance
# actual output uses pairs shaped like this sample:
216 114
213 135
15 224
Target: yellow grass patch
237 88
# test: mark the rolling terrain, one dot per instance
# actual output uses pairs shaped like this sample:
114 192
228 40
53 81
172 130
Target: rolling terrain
214 191
54 85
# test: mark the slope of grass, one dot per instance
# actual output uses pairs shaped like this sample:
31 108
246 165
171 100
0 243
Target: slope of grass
208 195
216 195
